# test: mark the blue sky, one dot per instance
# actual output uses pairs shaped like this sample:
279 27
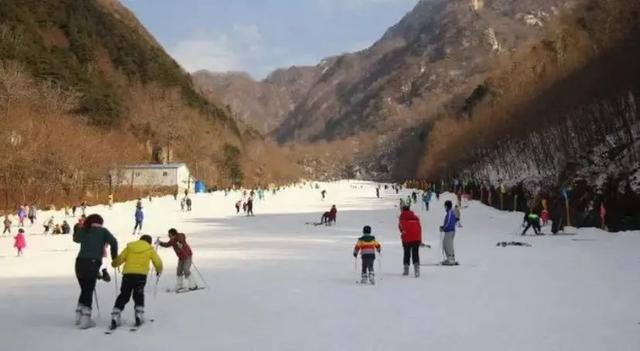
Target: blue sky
258 36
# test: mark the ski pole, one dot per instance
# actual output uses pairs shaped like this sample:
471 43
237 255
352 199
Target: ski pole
95 295
200 274
380 266
155 288
444 256
115 278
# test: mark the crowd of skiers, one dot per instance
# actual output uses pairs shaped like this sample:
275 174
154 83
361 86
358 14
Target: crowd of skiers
247 200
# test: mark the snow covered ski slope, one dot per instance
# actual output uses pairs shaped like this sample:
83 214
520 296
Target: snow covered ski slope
277 283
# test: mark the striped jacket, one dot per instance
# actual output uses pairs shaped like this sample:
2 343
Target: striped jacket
367 244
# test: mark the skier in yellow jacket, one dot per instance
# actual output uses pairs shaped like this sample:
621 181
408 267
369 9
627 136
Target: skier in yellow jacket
136 258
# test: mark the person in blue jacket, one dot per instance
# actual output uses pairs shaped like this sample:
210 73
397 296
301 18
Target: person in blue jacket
139 216
449 230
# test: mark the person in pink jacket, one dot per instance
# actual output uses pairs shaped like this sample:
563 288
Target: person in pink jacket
20 242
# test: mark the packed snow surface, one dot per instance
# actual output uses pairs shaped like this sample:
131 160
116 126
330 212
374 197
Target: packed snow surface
277 283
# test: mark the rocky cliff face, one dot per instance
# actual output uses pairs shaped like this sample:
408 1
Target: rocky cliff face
262 105
565 118
427 63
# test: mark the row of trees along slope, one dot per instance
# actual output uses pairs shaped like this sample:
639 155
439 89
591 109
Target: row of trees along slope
85 88
560 115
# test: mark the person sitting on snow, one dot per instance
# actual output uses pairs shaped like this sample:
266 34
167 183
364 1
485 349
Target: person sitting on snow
136 258
367 247
178 241
333 213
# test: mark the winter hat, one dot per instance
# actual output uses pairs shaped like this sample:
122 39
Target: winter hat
366 229
93 219
20 230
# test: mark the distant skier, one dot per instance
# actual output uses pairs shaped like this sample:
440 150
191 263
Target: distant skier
411 236
139 217
183 204
188 202
20 242
48 227
426 198
92 237
110 199
83 207
136 258
22 214
238 205
324 194
7 225
33 213
66 228
414 197
367 247
250 206
178 242
378 192
333 214
449 230
531 219
544 216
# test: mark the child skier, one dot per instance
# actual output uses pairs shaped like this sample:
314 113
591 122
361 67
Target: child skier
22 214
178 242
544 216
367 247
7 225
20 242
136 257
139 217
531 219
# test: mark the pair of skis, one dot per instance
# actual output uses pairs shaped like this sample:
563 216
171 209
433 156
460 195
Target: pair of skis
134 328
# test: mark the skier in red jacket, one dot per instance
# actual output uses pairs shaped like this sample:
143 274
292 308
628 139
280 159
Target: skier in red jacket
178 242
411 235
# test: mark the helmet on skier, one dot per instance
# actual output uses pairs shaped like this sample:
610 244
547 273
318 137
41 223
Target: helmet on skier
366 229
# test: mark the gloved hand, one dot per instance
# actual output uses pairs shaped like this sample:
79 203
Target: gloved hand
157 241
442 228
355 254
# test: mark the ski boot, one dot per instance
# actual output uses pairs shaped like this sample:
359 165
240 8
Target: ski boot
179 283
416 270
405 270
78 314
364 278
192 283
115 318
372 278
85 318
139 314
